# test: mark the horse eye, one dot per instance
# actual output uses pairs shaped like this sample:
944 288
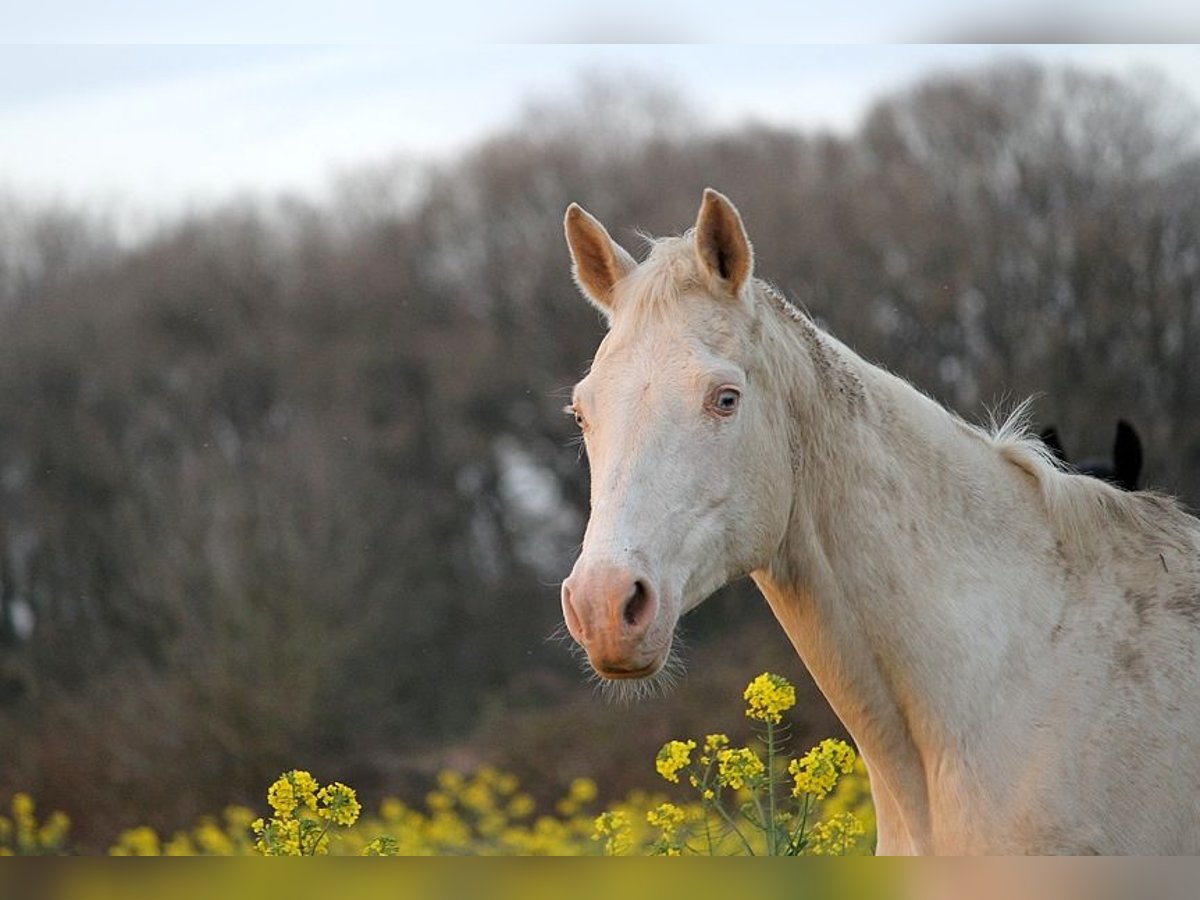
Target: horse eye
726 401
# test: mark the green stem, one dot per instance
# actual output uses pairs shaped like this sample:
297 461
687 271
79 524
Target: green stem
705 785
708 828
798 836
771 822
720 808
320 837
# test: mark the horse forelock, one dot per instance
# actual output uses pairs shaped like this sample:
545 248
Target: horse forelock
655 288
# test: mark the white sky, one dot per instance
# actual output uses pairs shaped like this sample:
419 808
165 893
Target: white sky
157 128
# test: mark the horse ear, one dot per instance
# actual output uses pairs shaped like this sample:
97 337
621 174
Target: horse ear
721 242
1053 443
597 261
1127 456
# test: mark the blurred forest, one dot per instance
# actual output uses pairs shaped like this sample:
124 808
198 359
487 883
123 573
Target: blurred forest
287 483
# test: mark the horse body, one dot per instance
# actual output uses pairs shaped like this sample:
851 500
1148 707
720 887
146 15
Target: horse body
1013 648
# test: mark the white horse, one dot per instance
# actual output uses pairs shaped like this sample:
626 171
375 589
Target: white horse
1012 647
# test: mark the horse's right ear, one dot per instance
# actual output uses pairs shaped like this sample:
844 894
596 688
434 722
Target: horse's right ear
597 261
1127 456
1053 443
721 242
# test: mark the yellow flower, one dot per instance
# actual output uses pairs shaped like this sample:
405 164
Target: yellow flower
392 809
768 696
477 796
506 783
338 804
819 769
836 836
278 837
438 801
713 743
22 806
613 827
667 817
53 832
382 846
305 786
211 839
582 790
738 767
282 796
140 841
238 817
521 806
179 845
673 756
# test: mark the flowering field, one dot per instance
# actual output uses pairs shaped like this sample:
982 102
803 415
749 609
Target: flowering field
755 799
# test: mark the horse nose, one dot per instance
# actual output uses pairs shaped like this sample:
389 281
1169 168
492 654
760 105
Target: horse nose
608 610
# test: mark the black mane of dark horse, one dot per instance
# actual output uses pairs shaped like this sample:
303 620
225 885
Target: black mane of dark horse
1126 466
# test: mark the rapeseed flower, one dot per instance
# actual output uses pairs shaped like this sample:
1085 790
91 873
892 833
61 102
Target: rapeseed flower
667 818
180 844
506 783
450 781
141 841
305 786
738 767
339 804
282 797
583 790
712 744
22 807
673 756
819 769
382 846
212 839
836 836
768 697
477 796
520 806
614 828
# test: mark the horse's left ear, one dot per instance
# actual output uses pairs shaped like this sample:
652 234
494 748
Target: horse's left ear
597 261
721 242
1127 456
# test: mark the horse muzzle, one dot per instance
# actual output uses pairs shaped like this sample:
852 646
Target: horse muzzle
610 610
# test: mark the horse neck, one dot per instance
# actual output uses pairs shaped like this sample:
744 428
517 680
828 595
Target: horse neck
904 522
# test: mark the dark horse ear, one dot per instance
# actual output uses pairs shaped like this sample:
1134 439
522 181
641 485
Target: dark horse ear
1050 438
721 242
597 261
1127 457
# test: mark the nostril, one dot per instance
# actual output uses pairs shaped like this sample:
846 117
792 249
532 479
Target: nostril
637 605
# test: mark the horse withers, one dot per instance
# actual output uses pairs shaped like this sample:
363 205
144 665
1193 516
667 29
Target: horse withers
1013 647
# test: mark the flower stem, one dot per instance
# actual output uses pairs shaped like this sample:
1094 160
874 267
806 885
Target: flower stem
771 821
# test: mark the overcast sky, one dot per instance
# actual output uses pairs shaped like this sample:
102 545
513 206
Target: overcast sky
159 128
